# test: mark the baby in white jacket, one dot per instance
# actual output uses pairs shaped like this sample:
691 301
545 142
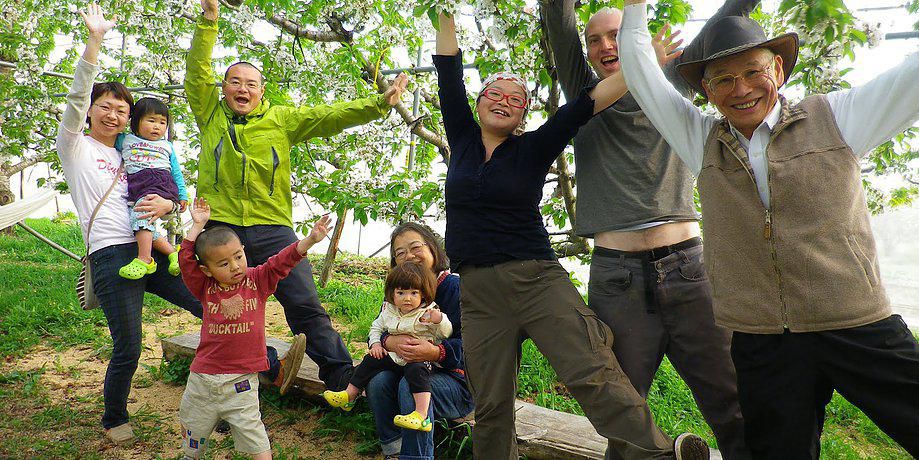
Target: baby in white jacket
409 309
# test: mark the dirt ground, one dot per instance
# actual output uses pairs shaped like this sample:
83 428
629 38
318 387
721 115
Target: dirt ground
72 375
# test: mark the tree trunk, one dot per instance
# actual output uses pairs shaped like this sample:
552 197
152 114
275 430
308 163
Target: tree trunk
329 261
6 197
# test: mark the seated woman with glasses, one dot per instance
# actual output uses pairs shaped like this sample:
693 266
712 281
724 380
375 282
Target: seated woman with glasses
512 284
388 393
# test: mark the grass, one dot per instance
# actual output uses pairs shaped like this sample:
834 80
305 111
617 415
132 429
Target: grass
38 307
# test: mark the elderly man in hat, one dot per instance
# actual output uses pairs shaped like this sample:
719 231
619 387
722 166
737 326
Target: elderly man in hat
647 278
788 243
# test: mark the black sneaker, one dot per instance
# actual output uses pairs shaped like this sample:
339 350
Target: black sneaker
224 428
688 446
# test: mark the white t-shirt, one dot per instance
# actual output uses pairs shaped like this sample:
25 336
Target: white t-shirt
90 167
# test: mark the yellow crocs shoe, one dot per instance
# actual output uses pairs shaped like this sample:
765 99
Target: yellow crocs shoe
174 269
338 399
137 269
413 421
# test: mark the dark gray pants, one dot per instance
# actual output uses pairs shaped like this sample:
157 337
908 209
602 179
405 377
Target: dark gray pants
671 315
535 298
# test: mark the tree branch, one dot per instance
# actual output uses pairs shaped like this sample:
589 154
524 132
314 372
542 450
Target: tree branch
13 169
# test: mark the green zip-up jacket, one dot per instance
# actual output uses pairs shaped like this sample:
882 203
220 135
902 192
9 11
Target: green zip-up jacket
244 165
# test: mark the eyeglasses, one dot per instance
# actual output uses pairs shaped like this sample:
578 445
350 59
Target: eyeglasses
416 248
724 84
236 84
514 100
120 112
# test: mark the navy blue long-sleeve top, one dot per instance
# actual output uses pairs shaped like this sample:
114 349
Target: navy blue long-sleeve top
492 207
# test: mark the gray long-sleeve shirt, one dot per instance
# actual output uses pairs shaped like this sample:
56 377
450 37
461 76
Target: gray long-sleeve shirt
627 178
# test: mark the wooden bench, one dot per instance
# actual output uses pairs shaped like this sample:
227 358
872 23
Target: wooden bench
541 433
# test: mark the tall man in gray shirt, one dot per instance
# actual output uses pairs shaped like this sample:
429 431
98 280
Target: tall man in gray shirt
647 281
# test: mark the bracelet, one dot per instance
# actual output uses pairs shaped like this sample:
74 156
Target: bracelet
443 353
383 342
175 207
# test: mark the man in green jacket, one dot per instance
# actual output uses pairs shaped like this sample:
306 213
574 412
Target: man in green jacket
244 172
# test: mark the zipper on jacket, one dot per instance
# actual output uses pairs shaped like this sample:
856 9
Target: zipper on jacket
235 141
767 231
275 161
218 152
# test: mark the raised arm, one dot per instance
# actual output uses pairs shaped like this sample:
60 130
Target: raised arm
451 90
200 84
446 36
78 100
873 113
681 124
574 72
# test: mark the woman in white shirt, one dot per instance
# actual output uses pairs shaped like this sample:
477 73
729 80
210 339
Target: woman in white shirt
90 164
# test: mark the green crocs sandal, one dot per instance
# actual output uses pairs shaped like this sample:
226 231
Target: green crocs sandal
174 269
137 269
338 399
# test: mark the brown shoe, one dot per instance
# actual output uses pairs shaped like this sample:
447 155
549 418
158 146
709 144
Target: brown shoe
290 363
688 446
121 435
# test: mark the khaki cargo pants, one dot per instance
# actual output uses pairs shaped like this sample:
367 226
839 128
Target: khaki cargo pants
508 302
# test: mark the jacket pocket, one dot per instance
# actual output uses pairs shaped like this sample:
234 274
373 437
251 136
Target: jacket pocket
275 162
863 261
218 152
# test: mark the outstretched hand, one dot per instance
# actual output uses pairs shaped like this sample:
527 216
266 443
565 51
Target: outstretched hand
665 45
320 229
394 93
201 212
95 21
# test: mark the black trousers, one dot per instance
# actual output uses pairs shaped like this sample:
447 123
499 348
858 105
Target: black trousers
418 375
786 380
297 294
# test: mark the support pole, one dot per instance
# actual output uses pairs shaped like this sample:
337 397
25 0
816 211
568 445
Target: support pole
49 242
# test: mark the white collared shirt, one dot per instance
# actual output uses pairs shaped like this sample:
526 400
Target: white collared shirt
866 116
756 149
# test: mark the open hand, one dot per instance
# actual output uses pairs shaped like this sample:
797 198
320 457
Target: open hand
665 45
394 93
320 229
95 21
377 351
201 212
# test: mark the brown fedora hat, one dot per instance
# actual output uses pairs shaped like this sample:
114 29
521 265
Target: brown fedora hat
733 35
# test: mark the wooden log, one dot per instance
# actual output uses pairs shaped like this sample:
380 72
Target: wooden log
541 433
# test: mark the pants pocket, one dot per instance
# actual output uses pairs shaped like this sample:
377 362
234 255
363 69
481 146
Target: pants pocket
598 333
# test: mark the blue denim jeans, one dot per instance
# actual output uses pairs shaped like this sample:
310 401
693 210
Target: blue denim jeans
122 302
389 395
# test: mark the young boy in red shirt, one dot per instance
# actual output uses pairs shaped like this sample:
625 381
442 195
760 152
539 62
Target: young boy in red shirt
223 383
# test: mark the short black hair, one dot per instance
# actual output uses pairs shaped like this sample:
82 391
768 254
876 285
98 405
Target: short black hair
116 89
146 106
217 235
261 77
